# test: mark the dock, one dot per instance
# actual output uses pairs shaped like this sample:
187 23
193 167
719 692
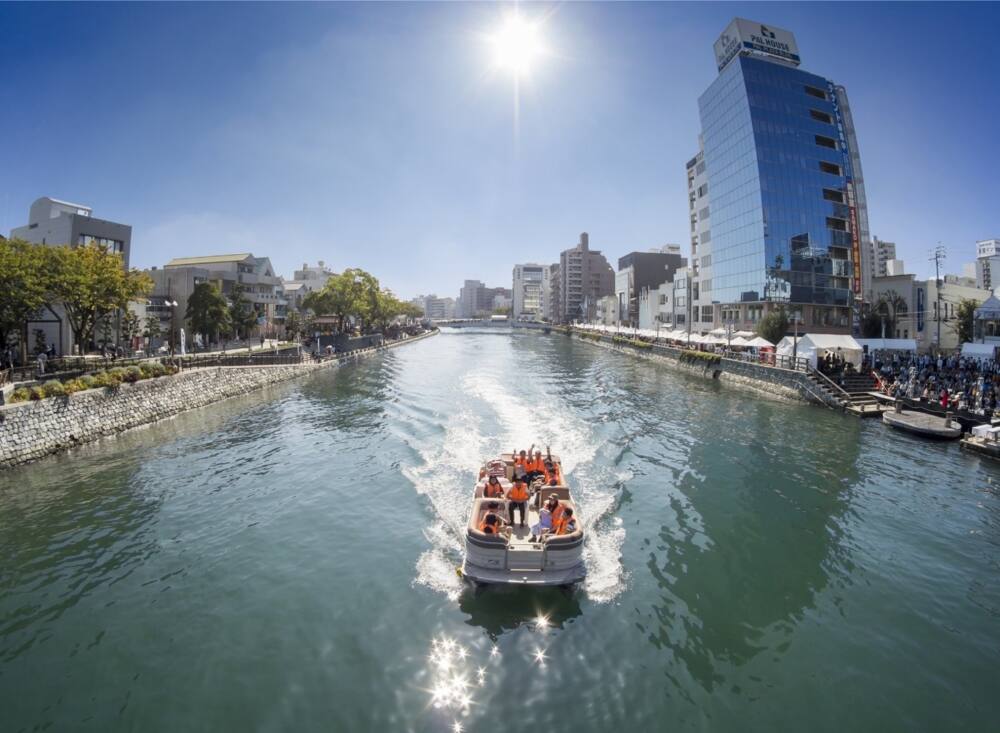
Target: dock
919 423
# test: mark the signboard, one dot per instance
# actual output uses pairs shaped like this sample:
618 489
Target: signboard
756 38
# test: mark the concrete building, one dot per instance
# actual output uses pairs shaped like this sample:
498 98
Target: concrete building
54 222
702 313
176 281
987 262
530 288
638 271
918 311
475 300
788 217
882 252
435 308
307 280
893 267
606 311
585 277
553 299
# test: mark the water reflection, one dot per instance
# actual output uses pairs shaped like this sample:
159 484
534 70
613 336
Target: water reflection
774 502
499 609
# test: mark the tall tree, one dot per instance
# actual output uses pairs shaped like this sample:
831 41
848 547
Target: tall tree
207 311
152 329
773 326
89 282
24 289
964 324
344 296
241 313
293 324
130 327
891 306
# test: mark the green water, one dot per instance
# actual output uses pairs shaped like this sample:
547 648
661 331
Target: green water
285 561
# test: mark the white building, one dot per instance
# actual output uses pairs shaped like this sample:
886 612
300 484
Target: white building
606 311
987 262
700 275
435 308
882 253
530 287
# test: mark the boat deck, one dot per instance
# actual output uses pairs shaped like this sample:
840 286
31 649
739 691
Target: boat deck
921 423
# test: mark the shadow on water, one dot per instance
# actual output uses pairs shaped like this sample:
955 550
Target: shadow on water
745 555
499 609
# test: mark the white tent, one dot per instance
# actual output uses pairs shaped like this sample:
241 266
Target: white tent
745 334
738 341
983 351
889 344
760 342
811 346
717 332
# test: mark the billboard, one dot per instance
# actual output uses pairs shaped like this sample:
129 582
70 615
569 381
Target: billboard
748 35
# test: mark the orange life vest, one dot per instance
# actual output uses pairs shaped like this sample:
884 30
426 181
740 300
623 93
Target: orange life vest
519 492
493 491
561 525
536 465
490 528
557 514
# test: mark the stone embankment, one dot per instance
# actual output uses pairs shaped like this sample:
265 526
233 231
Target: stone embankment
31 430
766 381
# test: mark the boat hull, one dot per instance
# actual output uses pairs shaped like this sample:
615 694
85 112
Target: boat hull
922 425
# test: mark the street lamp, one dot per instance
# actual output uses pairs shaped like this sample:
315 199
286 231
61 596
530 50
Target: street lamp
172 305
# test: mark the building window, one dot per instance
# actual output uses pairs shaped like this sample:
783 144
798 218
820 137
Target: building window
821 116
814 92
706 236
838 224
832 168
706 285
702 190
833 195
703 214
706 313
706 261
826 142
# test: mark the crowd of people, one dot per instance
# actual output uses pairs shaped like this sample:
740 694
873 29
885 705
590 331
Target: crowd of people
532 473
965 384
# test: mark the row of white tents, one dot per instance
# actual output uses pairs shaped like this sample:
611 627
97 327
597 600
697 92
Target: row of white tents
712 338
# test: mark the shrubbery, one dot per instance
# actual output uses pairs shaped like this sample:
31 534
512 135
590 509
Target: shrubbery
105 378
699 357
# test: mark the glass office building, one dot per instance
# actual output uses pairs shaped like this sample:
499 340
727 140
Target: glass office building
783 220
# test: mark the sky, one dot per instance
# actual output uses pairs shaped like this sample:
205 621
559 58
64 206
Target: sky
382 136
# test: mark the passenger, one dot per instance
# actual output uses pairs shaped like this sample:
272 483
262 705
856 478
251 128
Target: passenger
493 523
493 489
557 508
536 466
518 496
553 473
544 524
566 524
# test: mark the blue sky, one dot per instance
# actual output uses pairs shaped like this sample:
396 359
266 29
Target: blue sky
377 135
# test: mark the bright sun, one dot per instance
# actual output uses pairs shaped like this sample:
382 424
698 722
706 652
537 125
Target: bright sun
517 45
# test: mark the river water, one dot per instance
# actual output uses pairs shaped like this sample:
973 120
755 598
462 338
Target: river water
286 561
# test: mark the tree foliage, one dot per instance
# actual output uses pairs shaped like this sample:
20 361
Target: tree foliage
130 326
207 311
773 326
24 288
964 324
355 295
91 283
293 324
242 316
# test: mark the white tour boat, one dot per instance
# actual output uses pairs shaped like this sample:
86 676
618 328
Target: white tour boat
513 555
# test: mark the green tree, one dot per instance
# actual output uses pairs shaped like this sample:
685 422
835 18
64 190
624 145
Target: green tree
207 311
242 316
24 289
344 296
130 327
871 325
91 283
40 343
773 326
293 324
152 329
964 325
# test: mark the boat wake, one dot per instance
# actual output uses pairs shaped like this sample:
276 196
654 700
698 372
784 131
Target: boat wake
488 418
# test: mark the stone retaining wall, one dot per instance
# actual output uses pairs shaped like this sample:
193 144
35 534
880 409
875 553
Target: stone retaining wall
30 430
766 381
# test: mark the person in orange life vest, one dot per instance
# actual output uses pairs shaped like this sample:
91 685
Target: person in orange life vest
493 489
492 523
565 524
518 496
553 473
557 509
535 466
544 520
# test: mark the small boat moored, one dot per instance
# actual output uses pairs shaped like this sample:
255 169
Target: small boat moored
984 440
921 423
513 555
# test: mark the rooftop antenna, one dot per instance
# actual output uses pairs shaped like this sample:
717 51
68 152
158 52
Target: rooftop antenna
938 254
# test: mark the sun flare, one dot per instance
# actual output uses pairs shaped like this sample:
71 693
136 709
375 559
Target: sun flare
517 45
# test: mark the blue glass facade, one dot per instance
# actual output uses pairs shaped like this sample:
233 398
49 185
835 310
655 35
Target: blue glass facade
779 175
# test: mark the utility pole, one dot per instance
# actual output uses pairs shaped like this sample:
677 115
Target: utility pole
938 255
